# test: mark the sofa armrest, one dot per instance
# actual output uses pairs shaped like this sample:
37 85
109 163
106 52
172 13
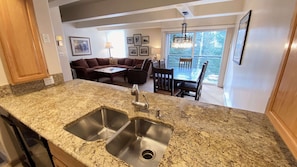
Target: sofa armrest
84 73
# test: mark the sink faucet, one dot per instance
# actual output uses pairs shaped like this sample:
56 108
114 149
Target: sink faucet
135 92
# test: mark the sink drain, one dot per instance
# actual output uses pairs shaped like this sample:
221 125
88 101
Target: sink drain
148 154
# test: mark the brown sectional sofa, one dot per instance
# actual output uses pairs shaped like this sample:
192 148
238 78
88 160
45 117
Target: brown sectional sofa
84 68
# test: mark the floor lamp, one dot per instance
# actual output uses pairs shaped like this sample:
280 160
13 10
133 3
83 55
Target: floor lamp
108 45
156 52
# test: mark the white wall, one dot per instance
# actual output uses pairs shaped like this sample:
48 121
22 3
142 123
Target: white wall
248 86
62 50
155 36
45 27
97 40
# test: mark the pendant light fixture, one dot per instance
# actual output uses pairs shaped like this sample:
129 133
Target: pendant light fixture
184 41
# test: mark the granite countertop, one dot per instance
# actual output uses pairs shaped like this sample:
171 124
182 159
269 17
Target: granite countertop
204 134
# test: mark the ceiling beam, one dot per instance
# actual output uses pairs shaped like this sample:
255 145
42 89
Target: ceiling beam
199 11
114 8
56 3
222 21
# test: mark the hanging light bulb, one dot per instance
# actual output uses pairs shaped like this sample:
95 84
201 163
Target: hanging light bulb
184 41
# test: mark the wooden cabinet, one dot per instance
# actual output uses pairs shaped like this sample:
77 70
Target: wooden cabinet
282 106
62 159
22 53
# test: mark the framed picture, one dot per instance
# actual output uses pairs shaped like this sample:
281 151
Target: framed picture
145 39
133 51
130 40
80 46
143 50
137 39
241 37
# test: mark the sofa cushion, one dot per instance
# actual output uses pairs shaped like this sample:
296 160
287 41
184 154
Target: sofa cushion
121 61
103 61
81 63
129 62
92 62
137 62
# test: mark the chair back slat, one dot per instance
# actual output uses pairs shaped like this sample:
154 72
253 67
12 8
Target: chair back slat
202 72
185 62
200 80
163 80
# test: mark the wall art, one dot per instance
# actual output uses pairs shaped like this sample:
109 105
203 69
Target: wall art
80 46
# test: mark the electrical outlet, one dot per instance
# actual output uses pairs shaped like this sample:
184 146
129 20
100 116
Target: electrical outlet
48 81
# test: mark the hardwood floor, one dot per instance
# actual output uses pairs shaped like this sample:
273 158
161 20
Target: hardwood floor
210 93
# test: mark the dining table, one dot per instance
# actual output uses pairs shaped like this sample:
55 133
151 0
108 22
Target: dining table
185 74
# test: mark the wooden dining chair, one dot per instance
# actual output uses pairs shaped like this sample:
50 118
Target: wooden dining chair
164 81
185 62
196 87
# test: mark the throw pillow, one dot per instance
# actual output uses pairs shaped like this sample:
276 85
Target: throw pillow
121 61
81 63
103 61
92 62
137 62
113 61
129 62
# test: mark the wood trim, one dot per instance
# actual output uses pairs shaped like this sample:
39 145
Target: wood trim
58 163
287 136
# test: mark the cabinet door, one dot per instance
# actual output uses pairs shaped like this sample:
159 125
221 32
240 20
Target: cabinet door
285 104
58 163
282 108
23 57
62 159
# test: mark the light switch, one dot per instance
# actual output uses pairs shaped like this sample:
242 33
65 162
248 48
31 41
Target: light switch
46 38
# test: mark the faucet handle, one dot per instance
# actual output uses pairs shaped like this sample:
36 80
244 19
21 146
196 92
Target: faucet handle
147 104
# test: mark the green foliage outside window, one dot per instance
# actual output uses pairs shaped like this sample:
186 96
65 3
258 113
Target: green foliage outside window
208 46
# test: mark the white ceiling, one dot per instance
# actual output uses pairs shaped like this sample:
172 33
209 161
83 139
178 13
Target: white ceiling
119 14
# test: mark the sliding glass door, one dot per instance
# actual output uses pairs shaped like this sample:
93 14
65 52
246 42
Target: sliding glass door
207 46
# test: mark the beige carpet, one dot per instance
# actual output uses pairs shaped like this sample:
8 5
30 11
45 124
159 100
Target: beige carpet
210 93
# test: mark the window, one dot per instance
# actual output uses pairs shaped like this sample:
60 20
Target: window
208 46
118 40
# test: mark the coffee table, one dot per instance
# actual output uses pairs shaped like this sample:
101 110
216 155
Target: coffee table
112 72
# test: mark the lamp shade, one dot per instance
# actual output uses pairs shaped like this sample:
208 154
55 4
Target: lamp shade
59 38
156 51
108 45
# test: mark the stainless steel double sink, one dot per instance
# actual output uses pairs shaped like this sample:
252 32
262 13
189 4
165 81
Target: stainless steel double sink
139 141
